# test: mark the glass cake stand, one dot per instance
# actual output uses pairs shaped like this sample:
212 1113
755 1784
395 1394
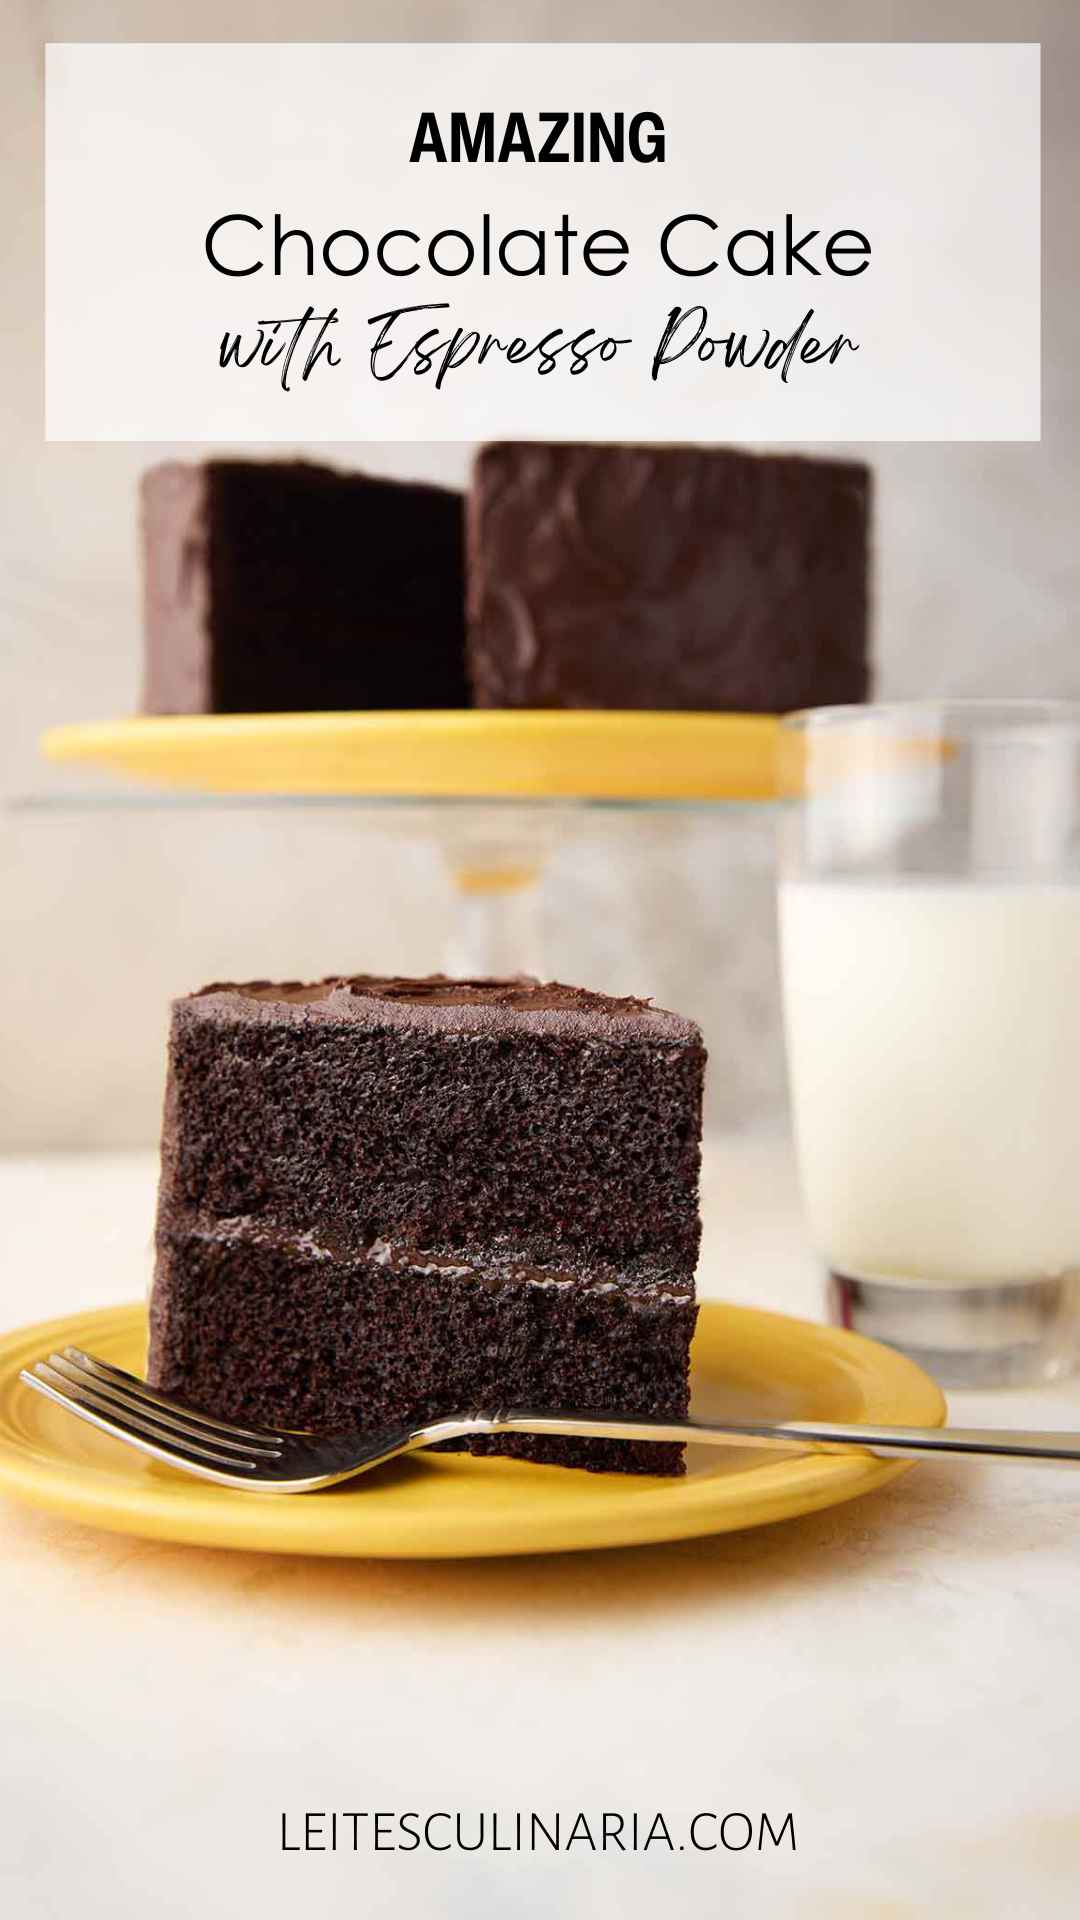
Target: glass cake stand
497 791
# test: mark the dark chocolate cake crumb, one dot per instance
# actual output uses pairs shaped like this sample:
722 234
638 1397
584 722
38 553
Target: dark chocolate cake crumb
292 1331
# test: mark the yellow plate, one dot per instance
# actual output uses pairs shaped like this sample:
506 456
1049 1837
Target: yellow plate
746 1363
447 755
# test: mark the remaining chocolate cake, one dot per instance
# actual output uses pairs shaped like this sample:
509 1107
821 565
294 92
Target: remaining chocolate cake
390 1199
278 586
666 577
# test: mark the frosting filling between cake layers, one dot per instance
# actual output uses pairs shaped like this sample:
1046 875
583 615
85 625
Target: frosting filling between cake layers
496 1268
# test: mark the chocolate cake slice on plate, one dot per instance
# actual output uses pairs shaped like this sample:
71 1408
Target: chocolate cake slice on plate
392 1199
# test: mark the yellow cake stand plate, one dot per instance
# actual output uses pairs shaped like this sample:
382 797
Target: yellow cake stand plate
518 755
747 1364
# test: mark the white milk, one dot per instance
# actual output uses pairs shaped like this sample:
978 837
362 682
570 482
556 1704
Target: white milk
933 1032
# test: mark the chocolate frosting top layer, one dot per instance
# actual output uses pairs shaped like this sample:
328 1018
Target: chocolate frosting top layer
435 1002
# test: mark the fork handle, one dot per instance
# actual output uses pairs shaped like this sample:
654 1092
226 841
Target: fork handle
818 1436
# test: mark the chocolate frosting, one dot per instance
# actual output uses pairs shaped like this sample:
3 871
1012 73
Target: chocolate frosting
493 1268
695 578
436 1000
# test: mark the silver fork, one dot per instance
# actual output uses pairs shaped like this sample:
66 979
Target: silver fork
264 1461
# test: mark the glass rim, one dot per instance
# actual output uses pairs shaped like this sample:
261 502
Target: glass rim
1056 714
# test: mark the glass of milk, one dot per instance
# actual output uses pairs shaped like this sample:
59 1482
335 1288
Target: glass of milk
929 908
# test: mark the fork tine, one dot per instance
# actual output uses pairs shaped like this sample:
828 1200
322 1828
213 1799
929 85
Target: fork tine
142 1389
162 1414
123 1391
82 1400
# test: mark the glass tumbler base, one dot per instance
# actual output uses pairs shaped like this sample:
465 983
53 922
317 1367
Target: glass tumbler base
1012 1334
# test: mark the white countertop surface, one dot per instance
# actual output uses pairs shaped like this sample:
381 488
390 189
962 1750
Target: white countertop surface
902 1674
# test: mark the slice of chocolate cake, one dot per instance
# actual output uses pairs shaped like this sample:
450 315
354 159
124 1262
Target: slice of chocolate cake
389 1199
666 577
281 586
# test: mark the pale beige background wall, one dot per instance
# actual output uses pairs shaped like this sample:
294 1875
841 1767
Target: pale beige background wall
105 914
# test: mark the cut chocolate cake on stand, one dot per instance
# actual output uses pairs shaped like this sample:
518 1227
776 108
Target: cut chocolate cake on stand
394 1199
279 586
699 578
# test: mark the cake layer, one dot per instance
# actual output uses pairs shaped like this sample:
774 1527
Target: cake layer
533 1117
666 577
270 1329
281 586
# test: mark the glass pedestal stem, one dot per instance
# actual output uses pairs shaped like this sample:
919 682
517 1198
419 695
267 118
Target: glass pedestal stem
496 925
